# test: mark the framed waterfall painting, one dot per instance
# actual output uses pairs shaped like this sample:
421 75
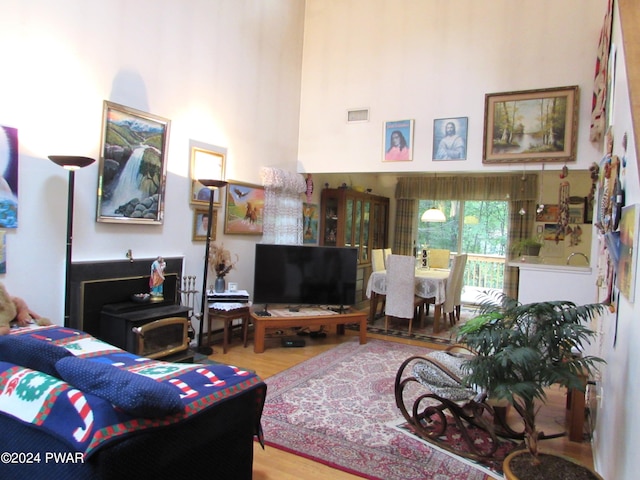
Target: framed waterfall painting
133 166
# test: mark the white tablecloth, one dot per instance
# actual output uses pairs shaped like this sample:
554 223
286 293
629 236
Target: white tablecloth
429 283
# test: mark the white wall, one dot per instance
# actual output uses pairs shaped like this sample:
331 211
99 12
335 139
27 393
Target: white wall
617 425
423 60
225 72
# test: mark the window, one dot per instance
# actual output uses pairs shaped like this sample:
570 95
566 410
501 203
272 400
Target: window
478 228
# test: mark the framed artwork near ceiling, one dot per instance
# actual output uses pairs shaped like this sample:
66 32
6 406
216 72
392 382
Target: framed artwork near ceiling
244 208
206 161
9 178
398 141
201 224
133 166
450 138
531 126
628 259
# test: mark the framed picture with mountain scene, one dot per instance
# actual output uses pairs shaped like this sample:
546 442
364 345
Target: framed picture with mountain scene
244 209
133 166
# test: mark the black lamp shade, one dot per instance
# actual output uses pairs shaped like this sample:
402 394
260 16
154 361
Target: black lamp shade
212 183
71 162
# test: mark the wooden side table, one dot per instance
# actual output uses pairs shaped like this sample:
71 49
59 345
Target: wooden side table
227 317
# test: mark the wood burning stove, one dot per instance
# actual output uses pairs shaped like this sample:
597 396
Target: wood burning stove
146 329
102 305
162 338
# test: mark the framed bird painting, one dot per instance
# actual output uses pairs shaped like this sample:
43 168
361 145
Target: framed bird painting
244 209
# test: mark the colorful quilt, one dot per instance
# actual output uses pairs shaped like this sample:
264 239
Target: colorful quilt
86 421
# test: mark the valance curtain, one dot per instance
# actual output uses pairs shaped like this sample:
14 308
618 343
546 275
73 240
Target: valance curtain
519 190
282 221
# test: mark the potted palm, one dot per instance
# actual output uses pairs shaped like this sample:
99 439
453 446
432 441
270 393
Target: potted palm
521 350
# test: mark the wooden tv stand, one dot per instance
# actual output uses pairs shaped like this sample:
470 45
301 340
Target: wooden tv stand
300 319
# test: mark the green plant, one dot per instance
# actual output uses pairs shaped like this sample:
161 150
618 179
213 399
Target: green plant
526 246
522 349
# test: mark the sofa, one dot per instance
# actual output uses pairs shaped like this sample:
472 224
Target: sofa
75 407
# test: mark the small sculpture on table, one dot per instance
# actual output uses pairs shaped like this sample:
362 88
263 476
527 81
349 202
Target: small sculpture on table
156 280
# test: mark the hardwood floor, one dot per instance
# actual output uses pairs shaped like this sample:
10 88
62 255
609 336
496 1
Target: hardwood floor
274 464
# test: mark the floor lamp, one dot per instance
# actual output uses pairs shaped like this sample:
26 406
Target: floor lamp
72 164
210 184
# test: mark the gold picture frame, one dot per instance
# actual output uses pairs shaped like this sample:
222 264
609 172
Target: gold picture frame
133 166
206 161
199 233
531 126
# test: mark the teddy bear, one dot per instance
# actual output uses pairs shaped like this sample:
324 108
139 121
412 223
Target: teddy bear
15 309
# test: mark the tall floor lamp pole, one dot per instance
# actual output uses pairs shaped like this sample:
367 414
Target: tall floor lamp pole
210 184
71 163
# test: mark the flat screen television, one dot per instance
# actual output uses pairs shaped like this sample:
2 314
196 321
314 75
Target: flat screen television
295 275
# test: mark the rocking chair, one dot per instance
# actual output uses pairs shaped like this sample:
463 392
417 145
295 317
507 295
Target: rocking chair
432 397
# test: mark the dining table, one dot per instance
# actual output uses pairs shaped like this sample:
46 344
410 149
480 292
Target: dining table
430 283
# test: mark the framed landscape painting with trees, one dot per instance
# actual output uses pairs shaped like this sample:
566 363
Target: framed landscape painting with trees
531 126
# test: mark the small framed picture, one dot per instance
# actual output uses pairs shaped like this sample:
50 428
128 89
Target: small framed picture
576 212
398 141
207 161
549 213
244 209
310 223
450 138
201 222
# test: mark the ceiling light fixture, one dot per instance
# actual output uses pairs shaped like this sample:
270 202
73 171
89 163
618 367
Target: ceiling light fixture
433 215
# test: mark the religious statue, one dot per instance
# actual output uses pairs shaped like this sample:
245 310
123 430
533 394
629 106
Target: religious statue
157 278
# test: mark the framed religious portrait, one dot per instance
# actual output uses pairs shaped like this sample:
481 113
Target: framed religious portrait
398 141
206 161
133 166
450 138
244 208
531 126
201 223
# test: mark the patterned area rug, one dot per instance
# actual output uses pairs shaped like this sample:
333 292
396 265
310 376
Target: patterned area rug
424 333
493 468
336 408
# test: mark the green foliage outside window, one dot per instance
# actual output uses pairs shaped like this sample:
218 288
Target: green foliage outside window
478 227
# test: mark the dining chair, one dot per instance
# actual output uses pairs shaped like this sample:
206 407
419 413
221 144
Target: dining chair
453 291
451 295
401 301
377 259
386 252
439 258
377 265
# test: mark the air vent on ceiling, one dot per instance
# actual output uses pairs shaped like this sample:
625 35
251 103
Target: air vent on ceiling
358 115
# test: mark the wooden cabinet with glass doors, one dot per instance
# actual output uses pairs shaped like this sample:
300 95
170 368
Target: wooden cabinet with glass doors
354 219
